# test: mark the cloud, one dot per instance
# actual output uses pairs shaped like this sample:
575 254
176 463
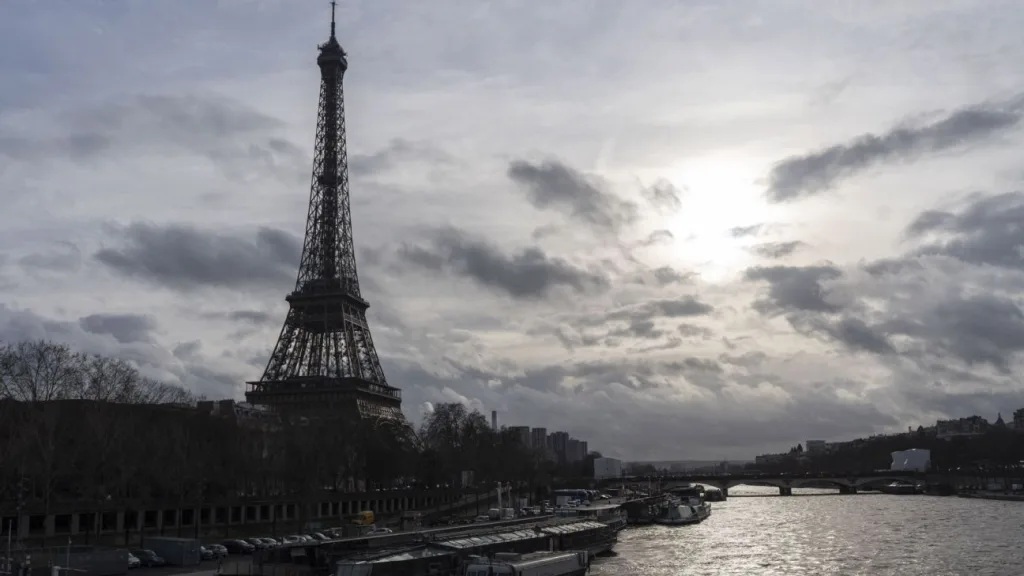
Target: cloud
125 328
798 177
744 231
182 257
777 250
398 150
553 185
664 196
130 337
506 265
795 288
61 257
231 135
987 230
528 273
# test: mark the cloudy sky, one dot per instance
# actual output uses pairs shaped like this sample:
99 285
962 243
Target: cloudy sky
697 229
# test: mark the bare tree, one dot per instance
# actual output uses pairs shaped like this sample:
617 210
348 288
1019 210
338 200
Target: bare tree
39 371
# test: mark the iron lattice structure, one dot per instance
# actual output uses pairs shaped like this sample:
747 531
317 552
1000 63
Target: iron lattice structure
324 360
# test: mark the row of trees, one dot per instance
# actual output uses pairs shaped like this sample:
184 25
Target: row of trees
92 429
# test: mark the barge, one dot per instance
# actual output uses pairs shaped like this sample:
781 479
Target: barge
452 554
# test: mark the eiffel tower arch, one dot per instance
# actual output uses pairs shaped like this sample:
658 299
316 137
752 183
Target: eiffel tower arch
324 362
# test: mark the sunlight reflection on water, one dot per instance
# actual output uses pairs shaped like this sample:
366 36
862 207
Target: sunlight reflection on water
864 534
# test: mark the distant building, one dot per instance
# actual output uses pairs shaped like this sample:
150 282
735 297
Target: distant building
521 433
961 427
764 459
1018 419
573 451
539 438
913 459
607 468
815 446
557 442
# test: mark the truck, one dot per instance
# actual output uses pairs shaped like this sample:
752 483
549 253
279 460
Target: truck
176 551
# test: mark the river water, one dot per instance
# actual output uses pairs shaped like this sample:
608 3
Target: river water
815 532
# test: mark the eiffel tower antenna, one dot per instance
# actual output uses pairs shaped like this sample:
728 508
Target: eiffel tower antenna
333 4
324 362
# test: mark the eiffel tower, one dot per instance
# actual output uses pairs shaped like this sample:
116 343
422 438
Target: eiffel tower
324 363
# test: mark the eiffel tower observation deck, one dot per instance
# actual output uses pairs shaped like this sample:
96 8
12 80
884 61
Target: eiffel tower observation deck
324 363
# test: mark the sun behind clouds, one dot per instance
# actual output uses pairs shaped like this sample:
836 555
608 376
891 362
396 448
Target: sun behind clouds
721 193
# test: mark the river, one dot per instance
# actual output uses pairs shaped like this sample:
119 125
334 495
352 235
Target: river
820 533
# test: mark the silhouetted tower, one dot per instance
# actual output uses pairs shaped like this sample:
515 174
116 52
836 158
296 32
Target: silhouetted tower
324 362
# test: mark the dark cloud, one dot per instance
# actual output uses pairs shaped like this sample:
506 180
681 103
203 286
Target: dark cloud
988 230
889 266
396 152
530 273
802 176
977 329
664 196
794 288
666 275
743 231
233 136
777 250
553 185
850 331
125 328
182 257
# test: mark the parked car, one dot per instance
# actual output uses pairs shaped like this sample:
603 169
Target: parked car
219 551
206 554
257 543
380 531
291 539
270 542
148 558
133 561
238 547
318 536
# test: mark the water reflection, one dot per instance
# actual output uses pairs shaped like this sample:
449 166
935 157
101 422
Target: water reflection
869 534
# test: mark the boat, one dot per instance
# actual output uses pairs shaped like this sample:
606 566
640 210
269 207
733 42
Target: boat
712 494
572 563
684 505
613 515
673 513
900 487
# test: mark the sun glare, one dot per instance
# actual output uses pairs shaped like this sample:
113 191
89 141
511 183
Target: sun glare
720 194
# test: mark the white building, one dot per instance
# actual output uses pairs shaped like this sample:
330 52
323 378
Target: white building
913 459
815 446
607 468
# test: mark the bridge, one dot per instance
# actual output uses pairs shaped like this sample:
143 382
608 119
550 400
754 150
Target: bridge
847 482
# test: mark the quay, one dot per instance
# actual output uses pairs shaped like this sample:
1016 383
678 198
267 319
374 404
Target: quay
432 551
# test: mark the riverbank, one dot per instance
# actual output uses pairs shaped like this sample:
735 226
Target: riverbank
993 496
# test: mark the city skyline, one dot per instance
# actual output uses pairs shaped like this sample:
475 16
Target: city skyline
740 227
